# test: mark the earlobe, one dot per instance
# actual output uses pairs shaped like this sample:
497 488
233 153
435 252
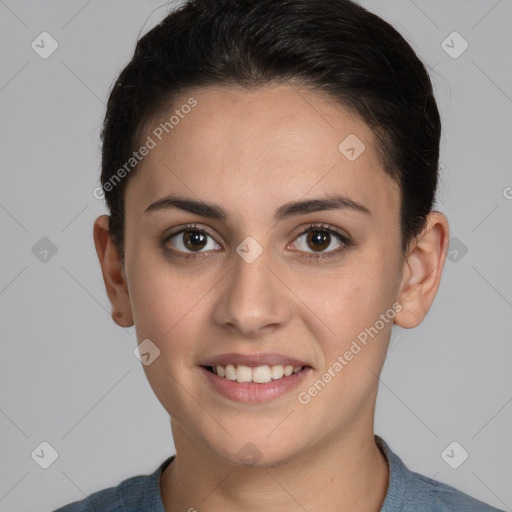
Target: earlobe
422 271
113 273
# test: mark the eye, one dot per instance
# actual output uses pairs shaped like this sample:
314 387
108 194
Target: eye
319 238
191 239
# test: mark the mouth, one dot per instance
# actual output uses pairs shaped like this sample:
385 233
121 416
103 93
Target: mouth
254 378
258 374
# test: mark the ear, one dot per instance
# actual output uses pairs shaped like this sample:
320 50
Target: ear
422 271
113 273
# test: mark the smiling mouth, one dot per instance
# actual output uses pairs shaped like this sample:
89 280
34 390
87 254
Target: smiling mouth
257 374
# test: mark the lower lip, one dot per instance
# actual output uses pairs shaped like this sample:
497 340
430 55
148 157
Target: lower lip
252 392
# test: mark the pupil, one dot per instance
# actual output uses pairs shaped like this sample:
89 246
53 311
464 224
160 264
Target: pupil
194 239
319 239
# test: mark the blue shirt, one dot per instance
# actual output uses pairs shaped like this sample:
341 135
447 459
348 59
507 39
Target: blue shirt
407 492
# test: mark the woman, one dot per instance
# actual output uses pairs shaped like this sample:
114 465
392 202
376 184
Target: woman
270 168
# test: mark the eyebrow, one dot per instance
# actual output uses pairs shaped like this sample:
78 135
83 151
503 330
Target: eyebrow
291 209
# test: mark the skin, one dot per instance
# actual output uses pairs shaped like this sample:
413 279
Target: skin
250 152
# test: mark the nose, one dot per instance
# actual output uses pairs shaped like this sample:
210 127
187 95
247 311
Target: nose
253 300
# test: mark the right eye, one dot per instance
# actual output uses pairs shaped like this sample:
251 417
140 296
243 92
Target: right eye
191 239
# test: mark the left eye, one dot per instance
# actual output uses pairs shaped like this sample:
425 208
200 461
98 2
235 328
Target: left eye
193 240
319 240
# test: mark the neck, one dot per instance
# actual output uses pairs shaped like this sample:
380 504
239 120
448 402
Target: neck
344 474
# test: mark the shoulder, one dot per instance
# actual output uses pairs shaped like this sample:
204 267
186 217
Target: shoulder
441 497
138 493
411 492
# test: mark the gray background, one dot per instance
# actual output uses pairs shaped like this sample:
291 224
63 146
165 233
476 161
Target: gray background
68 375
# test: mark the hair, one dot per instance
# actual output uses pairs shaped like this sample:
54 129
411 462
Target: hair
333 46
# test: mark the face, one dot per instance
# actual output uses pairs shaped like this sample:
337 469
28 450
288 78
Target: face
258 280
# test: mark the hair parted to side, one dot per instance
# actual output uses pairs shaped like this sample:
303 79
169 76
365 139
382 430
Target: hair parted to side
334 46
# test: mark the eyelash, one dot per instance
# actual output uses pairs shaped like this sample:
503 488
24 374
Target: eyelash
345 241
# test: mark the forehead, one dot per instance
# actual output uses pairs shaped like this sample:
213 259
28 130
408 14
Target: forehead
270 144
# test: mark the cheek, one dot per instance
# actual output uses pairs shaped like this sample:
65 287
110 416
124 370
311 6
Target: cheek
347 307
160 295
346 299
169 311
172 306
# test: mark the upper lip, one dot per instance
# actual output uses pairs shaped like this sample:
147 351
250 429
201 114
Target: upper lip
253 360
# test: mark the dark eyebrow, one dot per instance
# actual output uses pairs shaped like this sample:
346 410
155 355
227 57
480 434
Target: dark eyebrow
332 202
188 205
294 208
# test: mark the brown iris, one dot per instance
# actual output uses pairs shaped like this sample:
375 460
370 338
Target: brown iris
318 240
194 240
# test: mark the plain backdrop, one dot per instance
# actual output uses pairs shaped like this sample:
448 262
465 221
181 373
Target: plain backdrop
68 376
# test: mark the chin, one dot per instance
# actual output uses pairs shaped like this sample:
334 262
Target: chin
254 454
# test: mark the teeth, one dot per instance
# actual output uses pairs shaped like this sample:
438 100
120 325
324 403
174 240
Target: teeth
243 373
230 371
277 372
262 374
259 374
